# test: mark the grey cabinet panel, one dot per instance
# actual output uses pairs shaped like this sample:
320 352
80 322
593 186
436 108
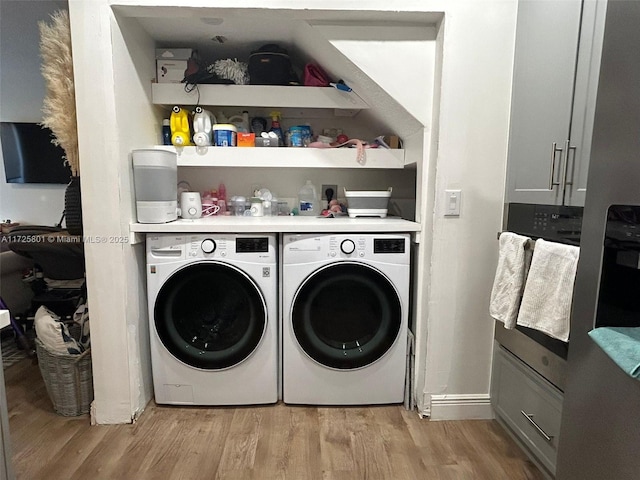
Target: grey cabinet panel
529 405
556 64
542 97
585 93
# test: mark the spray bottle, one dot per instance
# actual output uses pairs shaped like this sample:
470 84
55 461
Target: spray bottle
276 128
180 127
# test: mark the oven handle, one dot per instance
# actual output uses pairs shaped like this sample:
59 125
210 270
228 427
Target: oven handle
529 417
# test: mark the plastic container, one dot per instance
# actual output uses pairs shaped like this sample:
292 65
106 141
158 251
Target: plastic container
222 198
238 205
166 132
299 136
180 127
240 121
203 122
224 135
308 201
257 207
367 203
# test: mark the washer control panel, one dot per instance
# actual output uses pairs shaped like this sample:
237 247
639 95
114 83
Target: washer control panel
165 248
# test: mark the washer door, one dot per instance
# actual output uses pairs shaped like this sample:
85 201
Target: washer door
210 315
346 315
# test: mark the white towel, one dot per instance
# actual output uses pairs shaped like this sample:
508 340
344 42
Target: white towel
509 280
548 293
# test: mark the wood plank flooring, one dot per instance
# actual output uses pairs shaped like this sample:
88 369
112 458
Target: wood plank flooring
253 443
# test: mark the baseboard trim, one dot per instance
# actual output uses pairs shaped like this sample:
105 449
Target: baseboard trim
461 407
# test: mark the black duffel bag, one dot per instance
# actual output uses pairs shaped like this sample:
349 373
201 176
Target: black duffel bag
271 65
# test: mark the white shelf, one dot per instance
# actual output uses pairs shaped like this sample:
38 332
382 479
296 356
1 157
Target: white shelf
286 157
256 96
289 224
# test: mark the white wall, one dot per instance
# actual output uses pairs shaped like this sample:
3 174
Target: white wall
475 96
22 90
458 255
113 76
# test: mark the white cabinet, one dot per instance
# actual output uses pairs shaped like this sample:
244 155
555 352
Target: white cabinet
557 58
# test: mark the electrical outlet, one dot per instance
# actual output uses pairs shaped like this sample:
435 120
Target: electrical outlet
324 191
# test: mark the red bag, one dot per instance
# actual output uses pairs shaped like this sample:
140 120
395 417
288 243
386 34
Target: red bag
314 76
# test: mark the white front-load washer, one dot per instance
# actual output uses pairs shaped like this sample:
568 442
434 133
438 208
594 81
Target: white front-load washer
213 304
345 304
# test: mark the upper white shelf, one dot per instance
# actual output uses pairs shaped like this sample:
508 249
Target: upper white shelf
291 224
256 96
286 157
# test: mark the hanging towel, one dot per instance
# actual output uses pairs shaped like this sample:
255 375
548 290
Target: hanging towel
546 301
622 344
509 280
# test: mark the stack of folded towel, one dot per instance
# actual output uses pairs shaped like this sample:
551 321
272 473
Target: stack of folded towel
548 291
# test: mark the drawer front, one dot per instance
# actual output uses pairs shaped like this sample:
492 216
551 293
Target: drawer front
530 405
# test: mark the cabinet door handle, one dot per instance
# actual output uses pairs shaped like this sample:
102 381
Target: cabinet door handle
529 417
565 173
554 150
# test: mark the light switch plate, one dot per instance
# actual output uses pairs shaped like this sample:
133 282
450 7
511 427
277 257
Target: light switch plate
452 202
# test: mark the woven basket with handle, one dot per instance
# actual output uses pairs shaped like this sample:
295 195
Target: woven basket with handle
68 378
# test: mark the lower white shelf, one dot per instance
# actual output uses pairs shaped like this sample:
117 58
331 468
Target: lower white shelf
286 157
290 224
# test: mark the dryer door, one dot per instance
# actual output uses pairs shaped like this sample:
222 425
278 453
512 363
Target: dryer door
210 315
346 315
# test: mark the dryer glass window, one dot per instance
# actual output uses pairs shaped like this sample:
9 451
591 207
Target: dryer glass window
346 315
210 316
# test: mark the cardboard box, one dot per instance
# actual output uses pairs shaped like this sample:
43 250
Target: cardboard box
246 139
393 141
171 64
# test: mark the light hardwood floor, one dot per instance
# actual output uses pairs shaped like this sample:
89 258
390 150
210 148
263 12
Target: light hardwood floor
250 443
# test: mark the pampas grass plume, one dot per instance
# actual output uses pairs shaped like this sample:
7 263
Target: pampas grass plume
59 106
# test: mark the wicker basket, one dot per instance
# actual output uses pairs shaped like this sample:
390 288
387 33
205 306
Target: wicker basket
68 378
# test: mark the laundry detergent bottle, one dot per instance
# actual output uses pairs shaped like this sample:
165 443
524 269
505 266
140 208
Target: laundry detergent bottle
277 128
180 127
203 121
241 121
308 201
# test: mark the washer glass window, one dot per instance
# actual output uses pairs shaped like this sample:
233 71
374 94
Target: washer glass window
210 316
346 315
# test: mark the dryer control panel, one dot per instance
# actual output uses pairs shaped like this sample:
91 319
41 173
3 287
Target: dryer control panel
386 247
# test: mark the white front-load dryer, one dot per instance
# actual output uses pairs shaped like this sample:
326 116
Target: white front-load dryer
213 305
345 304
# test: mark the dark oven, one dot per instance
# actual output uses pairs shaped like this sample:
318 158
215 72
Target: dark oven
546 355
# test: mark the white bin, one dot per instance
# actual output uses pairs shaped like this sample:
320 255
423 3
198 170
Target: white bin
367 203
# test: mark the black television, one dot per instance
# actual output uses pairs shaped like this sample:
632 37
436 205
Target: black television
29 156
